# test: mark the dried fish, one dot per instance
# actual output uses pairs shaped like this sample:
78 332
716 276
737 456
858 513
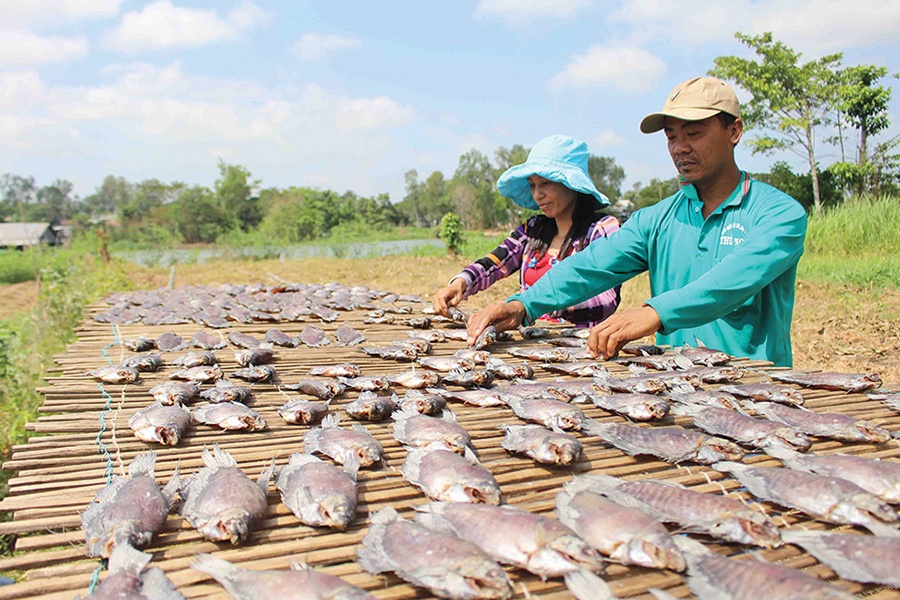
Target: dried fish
164 424
626 535
848 382
231 416
865 558
541 354
660 362
445 475
432 337
338 370
765 391
554 414
510 535
175 392
395 352
203 374
744 429
701 355
444 564
207 341
371 407
479 357
280 338
243 340
255 356
426 404
382 320
418 322
323 389
719 516
415 379
672 444
342 444
502 370
116 374
170 342
532 333
418 431
641 385
129 510
302 412
225 391
417 344
145 363
256 374
457 315
445 364
642 349
301 582
829 498
567 342
318 493
347 336
204 358
890 398
715 398
475 397
831 425
468 379
487 337
140 344
721 374
636 406
542 445
130 578
878 477
374 383
711 575
314 337
459 335
220 501
582 368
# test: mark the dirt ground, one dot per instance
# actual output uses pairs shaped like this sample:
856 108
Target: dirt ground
836 328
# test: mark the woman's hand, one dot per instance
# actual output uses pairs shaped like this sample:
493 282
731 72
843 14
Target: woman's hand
449 296
502 315
608 337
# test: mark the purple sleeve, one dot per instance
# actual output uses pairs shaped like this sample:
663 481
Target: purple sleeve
504 260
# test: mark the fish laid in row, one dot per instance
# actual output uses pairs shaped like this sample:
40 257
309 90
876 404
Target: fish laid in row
848 382
343 445
417 430
542 445
445 475
744 429
317 492
865 558
164 424
443 563
831 425
672 444
129 577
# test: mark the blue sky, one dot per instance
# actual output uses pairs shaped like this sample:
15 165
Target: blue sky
349 95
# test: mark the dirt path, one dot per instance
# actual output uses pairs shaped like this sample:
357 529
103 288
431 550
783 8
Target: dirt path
835 327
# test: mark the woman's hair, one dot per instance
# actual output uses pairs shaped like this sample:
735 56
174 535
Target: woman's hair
544 229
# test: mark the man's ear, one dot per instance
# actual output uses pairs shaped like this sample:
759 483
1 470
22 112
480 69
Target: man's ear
737 130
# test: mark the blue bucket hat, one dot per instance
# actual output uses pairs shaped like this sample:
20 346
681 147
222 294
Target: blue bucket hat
559 158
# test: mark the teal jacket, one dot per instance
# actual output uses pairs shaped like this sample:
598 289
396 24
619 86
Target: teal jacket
726 281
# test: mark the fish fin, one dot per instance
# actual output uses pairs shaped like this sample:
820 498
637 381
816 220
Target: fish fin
143 464
351 466
700 343
682 361
266 475
585 585
125 558
171 488
219 457
469 453
219 569
159 587
883 529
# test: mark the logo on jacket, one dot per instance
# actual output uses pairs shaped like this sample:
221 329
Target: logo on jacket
732 235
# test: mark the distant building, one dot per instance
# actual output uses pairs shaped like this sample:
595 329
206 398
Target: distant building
19 236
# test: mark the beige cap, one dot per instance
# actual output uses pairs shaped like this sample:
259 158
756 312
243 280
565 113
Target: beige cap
695 100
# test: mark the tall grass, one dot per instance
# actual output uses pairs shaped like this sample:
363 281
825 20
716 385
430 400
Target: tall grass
70 279
855 244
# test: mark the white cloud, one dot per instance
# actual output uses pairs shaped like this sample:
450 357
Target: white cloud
20 88
605 140
162 25
628 69
18 47
35 12
520 11
817 26
372 113
315 46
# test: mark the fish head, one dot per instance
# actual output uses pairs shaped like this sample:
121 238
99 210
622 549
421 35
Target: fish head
167 436
563 452
715 449
477 494
367 455
876 509
573 551
232 525
483 578
253 422
337 511
759 532
792 439
872 432
659 409
653 551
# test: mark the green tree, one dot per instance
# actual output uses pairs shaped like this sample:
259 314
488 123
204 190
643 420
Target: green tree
198 217
790 99
234 193
641 196
110 197
474 196
451 232
413 195
54 201
435 198
607 176
17 193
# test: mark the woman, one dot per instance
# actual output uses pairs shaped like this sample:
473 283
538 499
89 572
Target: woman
554 180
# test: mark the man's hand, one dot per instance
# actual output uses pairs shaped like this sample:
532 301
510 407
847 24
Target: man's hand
449 296
608 337
502 315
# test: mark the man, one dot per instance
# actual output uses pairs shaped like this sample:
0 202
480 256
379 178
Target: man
721 253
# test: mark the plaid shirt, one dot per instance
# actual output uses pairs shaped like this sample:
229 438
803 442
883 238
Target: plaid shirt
509 256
